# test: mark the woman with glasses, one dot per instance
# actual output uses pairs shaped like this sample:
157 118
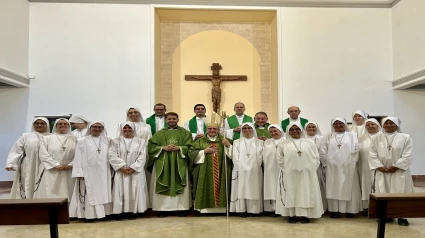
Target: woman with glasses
247 176
91 198
23 158
339 154
299 190
56 155
128 158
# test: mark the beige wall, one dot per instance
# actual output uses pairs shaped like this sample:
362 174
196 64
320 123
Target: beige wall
258 34
195 55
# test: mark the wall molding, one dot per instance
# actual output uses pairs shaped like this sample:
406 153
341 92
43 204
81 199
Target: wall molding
410 80
14 79
271 3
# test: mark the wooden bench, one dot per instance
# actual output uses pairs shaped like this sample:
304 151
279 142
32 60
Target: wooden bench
35 212
395 205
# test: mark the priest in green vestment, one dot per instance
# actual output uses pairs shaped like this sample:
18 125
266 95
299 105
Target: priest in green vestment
261 126
168 162
232 125
157 121
293 118
196 125
210 163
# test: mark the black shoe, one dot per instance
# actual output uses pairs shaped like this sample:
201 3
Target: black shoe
335 215
275 215
305 220
292 220
131 216
389 220
161 214
242 215
365 212
253 215
402 222
88 220
181 214
349 215
119 217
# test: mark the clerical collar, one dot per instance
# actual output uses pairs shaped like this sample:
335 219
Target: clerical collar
296 138
294 119
239 116
261 127
277 139
212 138
159 117
311 136
200 118
175 128
340 133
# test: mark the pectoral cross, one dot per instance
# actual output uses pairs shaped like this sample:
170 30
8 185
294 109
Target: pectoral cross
339 146
63 148
216 80
127 152
299 153
389 147
98 151
248 155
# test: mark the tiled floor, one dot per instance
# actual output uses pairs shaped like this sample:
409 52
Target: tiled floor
220 226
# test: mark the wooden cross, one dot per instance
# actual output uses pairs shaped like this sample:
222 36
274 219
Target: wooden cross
216 80
299 153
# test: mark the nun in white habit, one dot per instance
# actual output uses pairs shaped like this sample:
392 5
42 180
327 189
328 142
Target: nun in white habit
142 129
390 160
247 175
80 123
91 198
271 169
312 132
23 158
339 154
373 129
56 155
299 189
358 126
128 158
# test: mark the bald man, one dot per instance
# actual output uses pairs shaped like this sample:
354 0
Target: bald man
294 118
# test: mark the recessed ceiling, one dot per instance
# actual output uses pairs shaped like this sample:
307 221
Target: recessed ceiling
265 3
195 15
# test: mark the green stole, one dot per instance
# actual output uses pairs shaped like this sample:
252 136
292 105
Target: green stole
151 121
170 166
263 132
193 126
233 123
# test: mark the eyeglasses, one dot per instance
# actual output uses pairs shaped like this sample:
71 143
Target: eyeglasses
295 129
39 124
97 127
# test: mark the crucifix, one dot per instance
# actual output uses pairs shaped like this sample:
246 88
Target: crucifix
216 80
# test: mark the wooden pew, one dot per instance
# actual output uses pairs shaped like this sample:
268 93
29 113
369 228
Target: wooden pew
35 212
395 205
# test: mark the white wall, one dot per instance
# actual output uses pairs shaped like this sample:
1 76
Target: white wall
408 17
335 61
90 59
14 25
409 57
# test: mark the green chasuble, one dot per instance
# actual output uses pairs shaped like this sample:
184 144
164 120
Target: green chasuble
203 175
193 126
233 123
263 131
151 121
286 122
170 166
